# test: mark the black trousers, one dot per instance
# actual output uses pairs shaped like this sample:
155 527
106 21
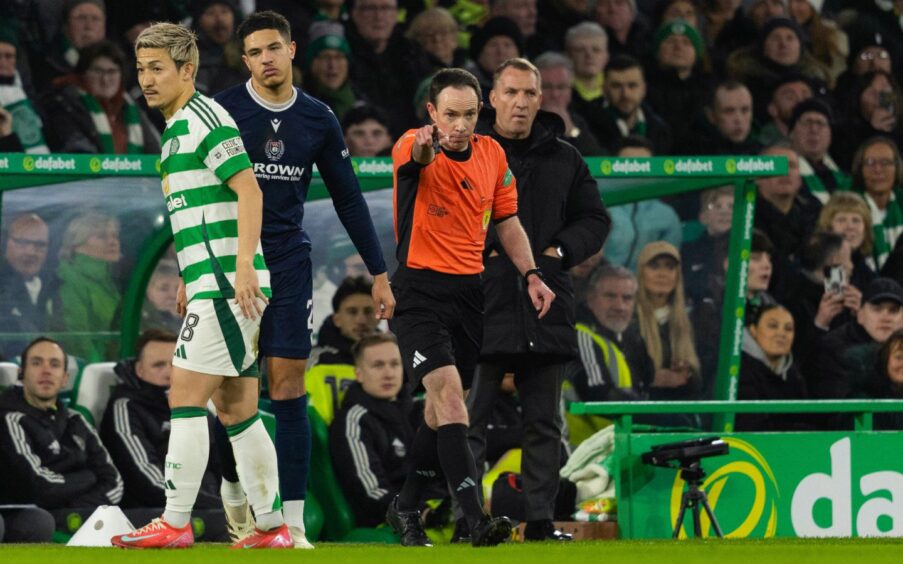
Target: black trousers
539 390
30 524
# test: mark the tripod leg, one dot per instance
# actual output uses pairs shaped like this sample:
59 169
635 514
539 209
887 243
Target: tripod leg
680 515
708 510
697 522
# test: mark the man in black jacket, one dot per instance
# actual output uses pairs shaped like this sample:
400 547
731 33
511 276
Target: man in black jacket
135 428
847 357
564 217
372 432
51 456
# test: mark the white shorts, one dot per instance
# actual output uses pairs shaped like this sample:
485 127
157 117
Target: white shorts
216 338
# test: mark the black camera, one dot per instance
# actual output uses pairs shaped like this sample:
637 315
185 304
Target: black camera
685 452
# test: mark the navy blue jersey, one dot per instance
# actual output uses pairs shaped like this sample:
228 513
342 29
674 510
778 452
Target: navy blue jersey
284 142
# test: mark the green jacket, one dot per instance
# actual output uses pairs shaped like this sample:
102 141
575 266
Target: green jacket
90 302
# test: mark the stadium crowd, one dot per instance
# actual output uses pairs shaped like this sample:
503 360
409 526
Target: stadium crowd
809 80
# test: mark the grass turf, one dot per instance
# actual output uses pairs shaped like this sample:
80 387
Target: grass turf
771 551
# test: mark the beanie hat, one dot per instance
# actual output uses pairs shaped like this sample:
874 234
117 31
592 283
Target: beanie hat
496 26
775 23
807 106
323 36
679 27
862 40
8 34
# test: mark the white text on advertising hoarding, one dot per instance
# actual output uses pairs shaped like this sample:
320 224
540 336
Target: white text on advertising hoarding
755 165
121 164
4 163
836 486
694 165
632 166
53 163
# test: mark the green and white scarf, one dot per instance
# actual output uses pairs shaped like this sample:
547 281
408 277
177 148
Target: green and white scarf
102 123
26 122
887 225
815 184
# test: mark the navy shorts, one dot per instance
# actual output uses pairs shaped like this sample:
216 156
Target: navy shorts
288 321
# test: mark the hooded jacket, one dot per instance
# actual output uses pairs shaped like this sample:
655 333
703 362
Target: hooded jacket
558 205
759 381
52 457
369 441
135 427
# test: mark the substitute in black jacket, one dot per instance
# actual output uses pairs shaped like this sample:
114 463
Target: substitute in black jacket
50 455
372 432
565 220
135 426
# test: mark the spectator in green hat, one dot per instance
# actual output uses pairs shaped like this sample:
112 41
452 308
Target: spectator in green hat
327 63
679 79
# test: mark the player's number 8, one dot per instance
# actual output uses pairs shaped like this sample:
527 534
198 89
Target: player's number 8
190 323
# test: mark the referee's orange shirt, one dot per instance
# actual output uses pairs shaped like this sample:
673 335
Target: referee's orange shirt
442 210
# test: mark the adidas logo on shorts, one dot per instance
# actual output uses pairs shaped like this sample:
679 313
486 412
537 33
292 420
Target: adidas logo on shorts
418 358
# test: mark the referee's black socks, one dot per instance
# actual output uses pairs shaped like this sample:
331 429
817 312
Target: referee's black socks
460 470
424 468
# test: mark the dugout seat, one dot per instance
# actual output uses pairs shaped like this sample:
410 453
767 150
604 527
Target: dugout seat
93 390
339 524
9 374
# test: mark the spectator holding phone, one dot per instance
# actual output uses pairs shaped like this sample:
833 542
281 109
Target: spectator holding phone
873 108
820 296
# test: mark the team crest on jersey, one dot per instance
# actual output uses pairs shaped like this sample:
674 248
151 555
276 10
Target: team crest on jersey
274 149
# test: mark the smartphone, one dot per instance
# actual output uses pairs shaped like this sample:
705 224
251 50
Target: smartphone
835 279
886 100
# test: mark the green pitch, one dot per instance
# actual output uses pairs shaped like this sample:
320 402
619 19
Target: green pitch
776 551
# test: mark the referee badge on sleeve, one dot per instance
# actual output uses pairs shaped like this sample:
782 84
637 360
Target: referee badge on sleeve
487 215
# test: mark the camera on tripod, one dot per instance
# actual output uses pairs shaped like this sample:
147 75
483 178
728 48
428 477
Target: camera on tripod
684 453
685 456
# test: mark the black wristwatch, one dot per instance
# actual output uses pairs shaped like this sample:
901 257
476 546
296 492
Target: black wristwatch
537 272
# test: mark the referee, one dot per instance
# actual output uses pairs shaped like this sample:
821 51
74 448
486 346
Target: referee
448 185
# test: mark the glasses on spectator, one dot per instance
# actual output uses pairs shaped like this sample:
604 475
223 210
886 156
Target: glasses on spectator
382 9
878 163
872 55
813 123
111 72
33 243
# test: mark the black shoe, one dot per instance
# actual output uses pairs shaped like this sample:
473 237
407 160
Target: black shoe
544 530
407 525
491 531
461 533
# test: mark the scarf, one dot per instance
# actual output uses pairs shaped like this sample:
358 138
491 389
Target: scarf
135 142
26 122
639 127
815 184
888 229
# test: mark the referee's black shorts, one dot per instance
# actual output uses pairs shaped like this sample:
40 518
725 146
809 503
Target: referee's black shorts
438 322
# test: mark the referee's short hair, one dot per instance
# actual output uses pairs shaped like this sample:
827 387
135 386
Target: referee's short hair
267 19
371 340
455 78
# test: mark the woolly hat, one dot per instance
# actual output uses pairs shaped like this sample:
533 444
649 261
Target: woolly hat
862 40
8 34
679 27
775 23
323 36
496 26
810 105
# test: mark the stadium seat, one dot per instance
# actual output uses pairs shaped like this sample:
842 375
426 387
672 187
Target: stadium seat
9 374
93 390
